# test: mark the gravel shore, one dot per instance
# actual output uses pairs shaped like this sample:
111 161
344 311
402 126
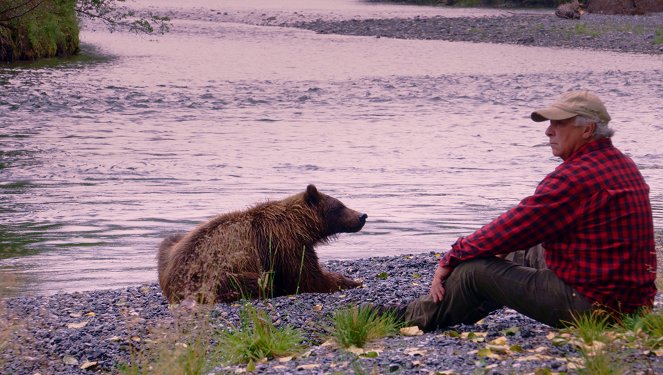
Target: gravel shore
95 331
636 34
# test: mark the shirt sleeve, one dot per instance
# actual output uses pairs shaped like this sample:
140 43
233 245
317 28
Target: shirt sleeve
554 206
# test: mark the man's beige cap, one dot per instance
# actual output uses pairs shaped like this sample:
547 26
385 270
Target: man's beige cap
572 104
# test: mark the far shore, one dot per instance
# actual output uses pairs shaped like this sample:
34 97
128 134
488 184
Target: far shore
617 33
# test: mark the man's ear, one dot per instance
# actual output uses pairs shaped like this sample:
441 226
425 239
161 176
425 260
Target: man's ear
312 194
589 131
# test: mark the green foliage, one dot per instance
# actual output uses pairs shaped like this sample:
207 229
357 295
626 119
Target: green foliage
257 338
116 17
54 30
355 326
33 29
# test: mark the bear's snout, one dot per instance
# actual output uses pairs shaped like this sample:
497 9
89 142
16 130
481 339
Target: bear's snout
361 220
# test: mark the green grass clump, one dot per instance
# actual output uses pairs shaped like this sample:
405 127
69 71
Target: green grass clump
583 29
658 37
605 341
591 327
355 326
646 328
601 363
593 331
178 347
179 359
6 329
257 338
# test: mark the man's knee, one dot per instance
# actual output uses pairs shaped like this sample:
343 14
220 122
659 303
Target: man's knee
472 270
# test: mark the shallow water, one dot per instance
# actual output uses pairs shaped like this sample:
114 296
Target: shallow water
104 154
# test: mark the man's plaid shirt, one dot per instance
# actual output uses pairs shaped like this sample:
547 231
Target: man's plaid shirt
593 216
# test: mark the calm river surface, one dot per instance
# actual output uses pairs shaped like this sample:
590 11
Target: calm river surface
104 154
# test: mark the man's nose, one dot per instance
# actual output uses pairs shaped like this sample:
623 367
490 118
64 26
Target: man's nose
549 130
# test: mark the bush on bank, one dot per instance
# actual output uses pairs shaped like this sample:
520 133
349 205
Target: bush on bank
33 29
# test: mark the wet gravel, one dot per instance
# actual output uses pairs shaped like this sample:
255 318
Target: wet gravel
636 34
95 331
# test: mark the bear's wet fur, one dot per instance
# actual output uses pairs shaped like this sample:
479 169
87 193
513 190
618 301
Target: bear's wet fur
258 252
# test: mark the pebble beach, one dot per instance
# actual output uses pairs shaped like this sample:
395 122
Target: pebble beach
97 331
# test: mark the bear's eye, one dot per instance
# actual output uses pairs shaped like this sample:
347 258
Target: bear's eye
336 209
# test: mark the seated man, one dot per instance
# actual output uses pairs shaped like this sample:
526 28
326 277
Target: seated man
588 229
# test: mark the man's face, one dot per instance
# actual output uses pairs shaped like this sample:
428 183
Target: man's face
565 138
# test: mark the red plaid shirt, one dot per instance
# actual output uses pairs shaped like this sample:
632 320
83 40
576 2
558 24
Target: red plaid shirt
593 216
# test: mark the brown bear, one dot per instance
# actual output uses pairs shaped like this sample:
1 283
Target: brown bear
265 251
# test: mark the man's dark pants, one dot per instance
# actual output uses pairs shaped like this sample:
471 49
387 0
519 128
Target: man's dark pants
520 281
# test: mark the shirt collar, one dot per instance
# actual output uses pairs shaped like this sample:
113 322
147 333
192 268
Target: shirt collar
592 146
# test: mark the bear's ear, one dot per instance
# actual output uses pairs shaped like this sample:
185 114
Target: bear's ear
312 194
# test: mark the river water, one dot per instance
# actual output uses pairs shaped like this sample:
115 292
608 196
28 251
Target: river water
104 154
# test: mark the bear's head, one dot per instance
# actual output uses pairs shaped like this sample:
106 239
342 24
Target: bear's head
337 218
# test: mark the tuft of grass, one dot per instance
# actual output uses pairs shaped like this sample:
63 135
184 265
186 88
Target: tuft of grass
14 333
301 269
6 330
591 327
583 29
601 363
647 327
355 326
658 39
592 330
257 338
605 343
180 350
470 3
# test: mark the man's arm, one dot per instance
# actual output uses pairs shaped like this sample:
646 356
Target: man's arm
537 218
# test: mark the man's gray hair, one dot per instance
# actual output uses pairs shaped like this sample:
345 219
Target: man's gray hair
602 128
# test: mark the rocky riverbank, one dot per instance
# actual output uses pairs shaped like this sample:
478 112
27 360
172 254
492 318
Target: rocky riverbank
619 33
96 331
636 34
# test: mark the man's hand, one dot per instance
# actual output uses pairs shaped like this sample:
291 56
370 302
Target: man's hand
436 288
